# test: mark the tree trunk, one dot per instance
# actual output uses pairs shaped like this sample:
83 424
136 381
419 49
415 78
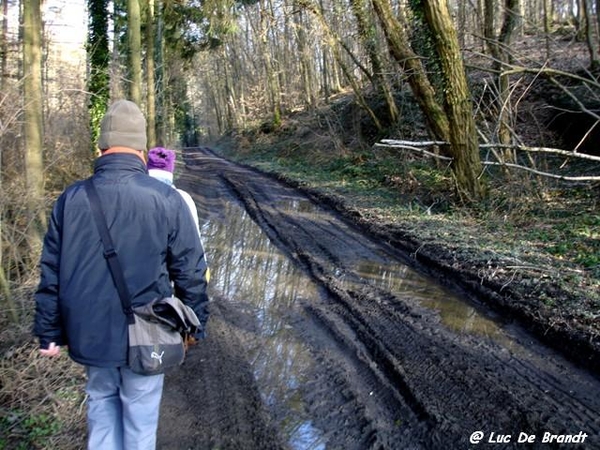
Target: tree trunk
464 146
326 76
489 28
274 39
462 22
212 95
32 96
231 116
272 82
504 106
330 75
117 87
597 27
481 23
4 43
454 122
424 93
150 76
7 303
306 60
160 73
548 23
498 48
99 60
576 14
589 35
511 21
239 79
134 41
366 31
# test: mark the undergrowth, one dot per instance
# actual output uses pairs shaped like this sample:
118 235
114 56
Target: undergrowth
41 399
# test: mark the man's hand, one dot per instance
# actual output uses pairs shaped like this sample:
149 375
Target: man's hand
189 341
52 350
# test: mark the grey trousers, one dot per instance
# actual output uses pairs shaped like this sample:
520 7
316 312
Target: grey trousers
123 409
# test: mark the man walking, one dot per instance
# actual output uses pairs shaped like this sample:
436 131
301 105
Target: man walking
77 303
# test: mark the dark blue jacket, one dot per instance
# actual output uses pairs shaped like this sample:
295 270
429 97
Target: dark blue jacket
156 240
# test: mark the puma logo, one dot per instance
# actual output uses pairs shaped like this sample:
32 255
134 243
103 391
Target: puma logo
155 355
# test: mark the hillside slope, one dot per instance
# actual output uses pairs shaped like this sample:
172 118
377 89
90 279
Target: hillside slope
530 251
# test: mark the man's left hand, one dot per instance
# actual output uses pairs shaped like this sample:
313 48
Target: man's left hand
52 350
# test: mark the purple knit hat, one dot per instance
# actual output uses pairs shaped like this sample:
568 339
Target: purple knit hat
161 158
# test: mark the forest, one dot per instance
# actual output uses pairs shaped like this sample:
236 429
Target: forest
480 111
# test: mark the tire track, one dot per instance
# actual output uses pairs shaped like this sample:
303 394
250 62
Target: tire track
445 385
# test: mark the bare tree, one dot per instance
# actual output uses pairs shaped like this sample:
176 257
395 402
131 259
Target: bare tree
412 66
265 51
453 122
150 74
590 35
367 33
135 50
32 97
3 42
335 43
160 74
499 47
6 300
463 134
99 60
307 69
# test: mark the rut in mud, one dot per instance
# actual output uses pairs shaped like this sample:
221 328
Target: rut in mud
362 364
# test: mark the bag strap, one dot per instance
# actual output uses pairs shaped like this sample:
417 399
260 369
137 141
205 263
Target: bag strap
109 249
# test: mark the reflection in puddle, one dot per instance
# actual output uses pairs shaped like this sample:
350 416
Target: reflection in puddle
249 270
410 286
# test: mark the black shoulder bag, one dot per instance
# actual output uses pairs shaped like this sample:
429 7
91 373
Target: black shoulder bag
156 330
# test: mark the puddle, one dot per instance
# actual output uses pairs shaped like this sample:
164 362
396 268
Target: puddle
248 269
454 313
251 271
410 286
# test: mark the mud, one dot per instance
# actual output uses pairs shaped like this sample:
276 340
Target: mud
386 373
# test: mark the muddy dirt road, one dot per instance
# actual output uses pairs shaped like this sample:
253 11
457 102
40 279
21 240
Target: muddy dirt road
323 338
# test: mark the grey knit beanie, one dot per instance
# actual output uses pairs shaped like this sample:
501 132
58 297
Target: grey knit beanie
123 125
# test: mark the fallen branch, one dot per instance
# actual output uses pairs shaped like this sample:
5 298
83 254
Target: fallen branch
544 150
415 147
394 142
539 172
552 72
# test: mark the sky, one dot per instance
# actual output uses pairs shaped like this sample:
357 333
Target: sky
66 23
65 20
